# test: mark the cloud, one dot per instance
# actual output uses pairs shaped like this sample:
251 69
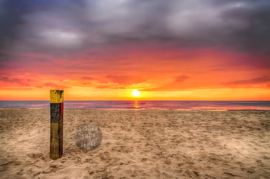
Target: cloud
87 78
56 86
249 82
125 79
103 86
61 27
109 87
11 12
180 79
22 82
175 85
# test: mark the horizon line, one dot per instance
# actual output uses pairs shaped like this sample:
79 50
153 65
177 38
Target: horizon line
147 100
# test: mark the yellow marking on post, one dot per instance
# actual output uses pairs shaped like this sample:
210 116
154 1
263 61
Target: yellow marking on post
56 96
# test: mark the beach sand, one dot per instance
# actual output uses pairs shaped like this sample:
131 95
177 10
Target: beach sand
139 144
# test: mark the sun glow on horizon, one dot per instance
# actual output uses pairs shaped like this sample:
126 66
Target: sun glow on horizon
136 93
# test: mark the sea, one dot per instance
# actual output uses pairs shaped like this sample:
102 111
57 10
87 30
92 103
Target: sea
138 104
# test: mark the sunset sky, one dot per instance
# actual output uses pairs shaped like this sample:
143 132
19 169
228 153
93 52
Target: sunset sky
104 49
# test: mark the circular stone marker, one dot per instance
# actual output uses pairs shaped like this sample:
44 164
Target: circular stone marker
88 136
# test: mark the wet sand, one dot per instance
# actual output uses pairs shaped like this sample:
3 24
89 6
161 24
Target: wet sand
139 144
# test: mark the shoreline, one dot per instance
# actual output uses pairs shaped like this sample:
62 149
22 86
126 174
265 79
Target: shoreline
146 109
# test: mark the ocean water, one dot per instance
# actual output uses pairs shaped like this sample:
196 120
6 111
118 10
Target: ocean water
176 105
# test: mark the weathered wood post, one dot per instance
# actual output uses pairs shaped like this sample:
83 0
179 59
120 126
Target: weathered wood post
56 118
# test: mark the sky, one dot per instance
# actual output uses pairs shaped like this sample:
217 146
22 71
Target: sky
104 49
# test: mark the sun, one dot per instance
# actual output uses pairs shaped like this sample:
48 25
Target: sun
136 93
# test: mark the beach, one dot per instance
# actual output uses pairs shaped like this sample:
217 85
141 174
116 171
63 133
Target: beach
138 144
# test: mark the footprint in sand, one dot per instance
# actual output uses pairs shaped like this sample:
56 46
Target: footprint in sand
144 159
123 149
104 156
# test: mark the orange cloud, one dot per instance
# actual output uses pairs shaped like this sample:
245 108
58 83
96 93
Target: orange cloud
56 86
161 72
176 84
22 82
125 79
87 78
180 79
249 82
102 86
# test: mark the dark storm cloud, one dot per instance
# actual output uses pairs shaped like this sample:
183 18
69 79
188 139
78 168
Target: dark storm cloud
15 27
255 34
10 20
68 26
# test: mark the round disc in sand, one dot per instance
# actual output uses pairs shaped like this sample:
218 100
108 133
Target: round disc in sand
88 136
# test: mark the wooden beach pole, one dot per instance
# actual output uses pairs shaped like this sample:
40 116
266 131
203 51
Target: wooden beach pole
56 119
